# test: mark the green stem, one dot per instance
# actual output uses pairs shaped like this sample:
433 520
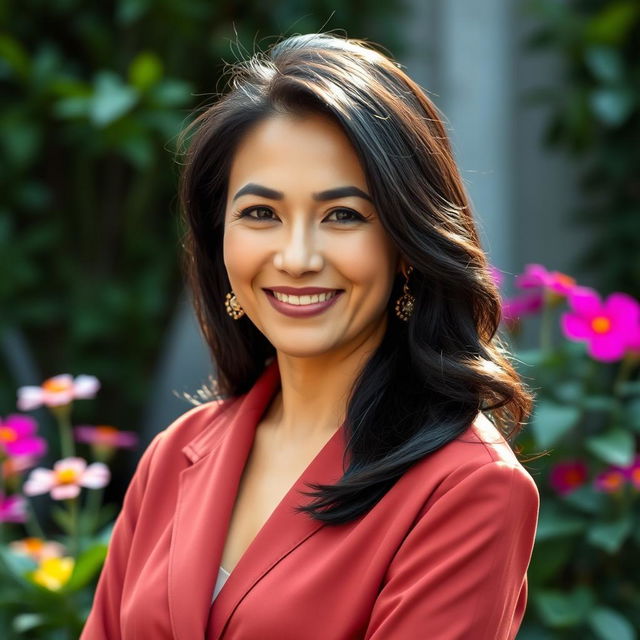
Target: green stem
624 373
93 504
73 511
32 525
63 418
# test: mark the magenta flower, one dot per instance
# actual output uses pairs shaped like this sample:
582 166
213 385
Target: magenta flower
13 508
57 391
106 436
610 480
17 436
567 476
607 328
537 276
514 308
68 475
632 472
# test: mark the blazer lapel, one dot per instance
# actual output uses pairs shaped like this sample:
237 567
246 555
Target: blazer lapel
206 497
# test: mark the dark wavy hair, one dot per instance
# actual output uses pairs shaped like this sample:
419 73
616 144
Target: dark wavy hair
430 376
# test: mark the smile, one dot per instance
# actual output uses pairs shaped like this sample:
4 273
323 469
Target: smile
303 305
300 300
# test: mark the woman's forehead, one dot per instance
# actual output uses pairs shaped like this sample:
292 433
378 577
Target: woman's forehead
282 152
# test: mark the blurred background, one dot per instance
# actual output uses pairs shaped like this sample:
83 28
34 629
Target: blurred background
542 104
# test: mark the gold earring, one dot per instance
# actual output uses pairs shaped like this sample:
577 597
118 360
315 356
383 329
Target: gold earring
405 304
233 306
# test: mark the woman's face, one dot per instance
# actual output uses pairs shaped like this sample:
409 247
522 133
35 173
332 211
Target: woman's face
299 216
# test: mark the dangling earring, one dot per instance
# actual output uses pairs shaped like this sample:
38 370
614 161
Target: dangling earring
405 304
233 306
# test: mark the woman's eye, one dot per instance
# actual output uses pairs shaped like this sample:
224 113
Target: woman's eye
261 213
345 215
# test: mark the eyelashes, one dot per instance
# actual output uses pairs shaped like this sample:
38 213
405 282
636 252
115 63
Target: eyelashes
268 215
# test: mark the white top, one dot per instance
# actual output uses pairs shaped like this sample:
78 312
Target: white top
223 574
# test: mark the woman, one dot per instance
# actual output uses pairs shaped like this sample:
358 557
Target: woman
356 481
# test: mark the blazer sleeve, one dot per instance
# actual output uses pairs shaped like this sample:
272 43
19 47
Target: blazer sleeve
103 622
460 573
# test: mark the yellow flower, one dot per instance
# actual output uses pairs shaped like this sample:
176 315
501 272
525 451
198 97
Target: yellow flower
53 573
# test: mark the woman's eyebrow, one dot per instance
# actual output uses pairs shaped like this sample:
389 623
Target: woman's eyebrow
329 194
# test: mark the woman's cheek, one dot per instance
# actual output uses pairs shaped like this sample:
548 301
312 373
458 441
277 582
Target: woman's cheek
241 257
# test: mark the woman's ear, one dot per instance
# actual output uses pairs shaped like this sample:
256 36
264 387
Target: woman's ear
403 266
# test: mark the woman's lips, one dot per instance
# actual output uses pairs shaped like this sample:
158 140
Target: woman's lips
301 310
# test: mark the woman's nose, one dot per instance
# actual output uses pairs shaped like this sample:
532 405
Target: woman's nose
299 251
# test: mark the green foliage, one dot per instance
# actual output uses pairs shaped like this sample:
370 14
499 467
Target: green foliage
94 97
596 118
583 572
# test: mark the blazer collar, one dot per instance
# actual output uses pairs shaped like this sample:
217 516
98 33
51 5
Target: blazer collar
206 496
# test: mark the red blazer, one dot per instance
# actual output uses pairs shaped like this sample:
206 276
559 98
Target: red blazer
443 555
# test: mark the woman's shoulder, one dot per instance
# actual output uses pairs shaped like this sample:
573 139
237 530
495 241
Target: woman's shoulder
195 430
482 451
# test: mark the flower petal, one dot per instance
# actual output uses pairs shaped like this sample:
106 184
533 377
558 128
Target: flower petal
585 301
624 309
575 327
29 398
85 386
65 491
73 462
40 480
23 425
607 347
96 476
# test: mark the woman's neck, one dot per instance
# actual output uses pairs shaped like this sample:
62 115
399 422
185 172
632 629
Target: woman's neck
315 391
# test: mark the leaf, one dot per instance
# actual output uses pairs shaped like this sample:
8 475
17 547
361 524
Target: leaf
585 499
111 99
608 624
17 565
26 621
552 421
632 414
610 536
564 609
145 70
630 388
605 63
87 565
555 522
613 105
613 23
615 446
605 404
63 519
571 391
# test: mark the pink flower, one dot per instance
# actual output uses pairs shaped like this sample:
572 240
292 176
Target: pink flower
17 464
568 475
13 508
106 436
57 391
607 328
37 549
17 436
537 276
632 472
610 480
68 475
514 308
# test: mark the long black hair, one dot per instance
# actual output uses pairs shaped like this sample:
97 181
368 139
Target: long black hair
430 376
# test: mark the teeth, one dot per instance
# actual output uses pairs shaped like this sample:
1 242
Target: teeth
301 300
